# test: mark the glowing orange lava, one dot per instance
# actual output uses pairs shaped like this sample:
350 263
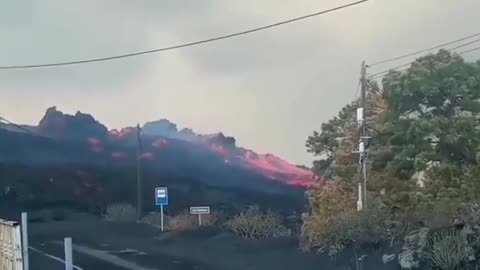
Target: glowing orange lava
147 156
160 143
95 144
119 155
120 134
268 165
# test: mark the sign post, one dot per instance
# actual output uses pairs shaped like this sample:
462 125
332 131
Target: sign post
161 199
200 210
68 253
24 228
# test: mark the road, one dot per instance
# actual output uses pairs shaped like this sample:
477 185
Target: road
98 245
50 257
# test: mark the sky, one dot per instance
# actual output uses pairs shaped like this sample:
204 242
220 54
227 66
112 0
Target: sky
270 89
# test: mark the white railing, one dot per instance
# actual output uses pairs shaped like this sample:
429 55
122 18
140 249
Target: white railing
10 246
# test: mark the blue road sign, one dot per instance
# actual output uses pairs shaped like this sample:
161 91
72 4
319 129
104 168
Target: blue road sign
161 196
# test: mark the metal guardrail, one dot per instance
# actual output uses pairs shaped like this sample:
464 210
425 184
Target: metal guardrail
10 246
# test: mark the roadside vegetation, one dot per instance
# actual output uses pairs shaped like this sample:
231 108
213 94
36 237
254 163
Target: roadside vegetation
121 212
256 224
251 223
423 169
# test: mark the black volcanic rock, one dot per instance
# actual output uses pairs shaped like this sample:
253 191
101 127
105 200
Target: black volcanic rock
162 127
211 158
223 140
79 126
198 169
187 134
165 128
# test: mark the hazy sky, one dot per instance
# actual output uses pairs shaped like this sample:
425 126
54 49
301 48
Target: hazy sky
269 90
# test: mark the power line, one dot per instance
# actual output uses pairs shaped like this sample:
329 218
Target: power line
185 44
425 50
471 50
465 44
17 126
383 73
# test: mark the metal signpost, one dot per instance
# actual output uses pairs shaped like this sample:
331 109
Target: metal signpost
68 253
161 199
200 210
24 227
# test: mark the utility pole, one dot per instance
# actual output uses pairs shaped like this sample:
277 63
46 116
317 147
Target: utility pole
139 173
362 142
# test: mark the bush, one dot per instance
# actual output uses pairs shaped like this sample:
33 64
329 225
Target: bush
448 250
258 225
434 213
183 222
121 212
186 221
368 228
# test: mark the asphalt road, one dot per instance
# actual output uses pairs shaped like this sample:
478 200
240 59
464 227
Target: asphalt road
100 245
50 257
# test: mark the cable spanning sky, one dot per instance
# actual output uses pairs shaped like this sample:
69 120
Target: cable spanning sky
270 89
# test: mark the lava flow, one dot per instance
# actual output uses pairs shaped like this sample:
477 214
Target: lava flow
163 135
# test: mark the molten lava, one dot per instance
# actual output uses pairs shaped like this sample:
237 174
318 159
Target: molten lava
268 165
119 155
160 143
120 134
95 144
147 156
119 144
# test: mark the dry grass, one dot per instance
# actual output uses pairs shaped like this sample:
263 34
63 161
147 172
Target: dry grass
121 212
447 250
186 221
349 228
255 224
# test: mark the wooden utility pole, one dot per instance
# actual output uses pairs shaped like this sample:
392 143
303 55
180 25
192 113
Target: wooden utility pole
139 173
363 140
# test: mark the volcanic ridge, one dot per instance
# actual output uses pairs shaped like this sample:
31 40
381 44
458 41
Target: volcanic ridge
163 146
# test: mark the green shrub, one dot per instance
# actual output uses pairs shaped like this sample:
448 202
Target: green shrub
448 250
121 212
258 225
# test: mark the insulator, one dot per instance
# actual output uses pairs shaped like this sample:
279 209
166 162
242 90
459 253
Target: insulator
360 115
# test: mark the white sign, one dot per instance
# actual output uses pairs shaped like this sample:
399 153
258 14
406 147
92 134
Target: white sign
200 210
161 196
161 193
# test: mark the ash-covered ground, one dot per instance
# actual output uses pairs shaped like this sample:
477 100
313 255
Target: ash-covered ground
98 244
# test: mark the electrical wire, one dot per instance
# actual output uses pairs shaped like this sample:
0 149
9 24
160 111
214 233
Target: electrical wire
425 50
17 126
185 44
471 50
383 73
